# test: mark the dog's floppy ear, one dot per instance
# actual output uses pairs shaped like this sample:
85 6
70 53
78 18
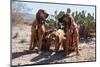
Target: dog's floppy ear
39 11
37 15
47 15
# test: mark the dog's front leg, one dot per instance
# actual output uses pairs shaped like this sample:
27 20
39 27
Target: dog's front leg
31 47
40 37
39 43
64 45
31 43
57 44
76 46
48 44
57 47
76 41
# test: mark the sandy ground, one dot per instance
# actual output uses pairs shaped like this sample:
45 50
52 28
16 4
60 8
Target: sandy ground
20 45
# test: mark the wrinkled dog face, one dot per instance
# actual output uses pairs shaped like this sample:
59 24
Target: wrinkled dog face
41 15
53 39
65 20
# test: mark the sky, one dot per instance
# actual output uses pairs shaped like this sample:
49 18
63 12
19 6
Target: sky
33 7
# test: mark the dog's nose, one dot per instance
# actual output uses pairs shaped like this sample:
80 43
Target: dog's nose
53 38
65 35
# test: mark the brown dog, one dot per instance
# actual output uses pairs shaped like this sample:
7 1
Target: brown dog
71 32
56 39
38 29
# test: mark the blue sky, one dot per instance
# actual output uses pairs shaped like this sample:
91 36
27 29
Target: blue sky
32 8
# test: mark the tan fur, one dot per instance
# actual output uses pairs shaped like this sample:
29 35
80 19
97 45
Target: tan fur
72 40
57 38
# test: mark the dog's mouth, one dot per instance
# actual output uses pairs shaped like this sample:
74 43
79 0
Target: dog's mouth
42 20
53 39
53 42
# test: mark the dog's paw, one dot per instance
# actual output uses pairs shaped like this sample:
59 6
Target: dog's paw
39 52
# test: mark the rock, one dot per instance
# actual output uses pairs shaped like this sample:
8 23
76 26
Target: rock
15 36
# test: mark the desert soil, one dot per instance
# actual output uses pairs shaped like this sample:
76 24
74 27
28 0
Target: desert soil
21 55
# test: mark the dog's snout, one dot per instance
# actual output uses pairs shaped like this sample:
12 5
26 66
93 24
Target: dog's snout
53 39
41 15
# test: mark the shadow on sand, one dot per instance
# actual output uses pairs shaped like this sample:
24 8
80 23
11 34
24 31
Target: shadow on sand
49 58
18 54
